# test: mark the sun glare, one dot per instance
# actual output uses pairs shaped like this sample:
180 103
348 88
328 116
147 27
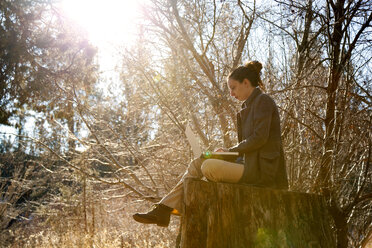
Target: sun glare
110 24
108 21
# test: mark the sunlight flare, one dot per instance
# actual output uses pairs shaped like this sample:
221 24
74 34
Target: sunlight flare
110 21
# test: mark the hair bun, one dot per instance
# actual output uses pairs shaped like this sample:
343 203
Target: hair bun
255 65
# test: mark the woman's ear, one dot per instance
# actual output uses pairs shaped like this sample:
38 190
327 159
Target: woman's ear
247 83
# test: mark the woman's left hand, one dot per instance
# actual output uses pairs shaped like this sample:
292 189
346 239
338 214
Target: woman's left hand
221 149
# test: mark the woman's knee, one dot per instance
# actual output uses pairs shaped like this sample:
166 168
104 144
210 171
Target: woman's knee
210 169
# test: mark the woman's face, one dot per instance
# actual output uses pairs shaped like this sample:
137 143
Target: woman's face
240 91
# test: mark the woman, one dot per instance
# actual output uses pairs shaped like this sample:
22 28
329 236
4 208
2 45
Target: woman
259 145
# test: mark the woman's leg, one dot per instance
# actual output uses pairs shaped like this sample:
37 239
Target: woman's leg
218 170
215 170
160 215
173 198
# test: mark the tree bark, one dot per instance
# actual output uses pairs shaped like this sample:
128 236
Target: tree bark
233 215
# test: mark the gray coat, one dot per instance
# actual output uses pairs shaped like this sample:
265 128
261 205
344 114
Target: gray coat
260 142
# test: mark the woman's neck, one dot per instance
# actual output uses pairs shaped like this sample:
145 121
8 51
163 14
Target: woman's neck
250 91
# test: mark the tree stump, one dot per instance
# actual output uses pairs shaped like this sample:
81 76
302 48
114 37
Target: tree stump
231 215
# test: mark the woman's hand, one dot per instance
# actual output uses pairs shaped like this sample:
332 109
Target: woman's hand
221 149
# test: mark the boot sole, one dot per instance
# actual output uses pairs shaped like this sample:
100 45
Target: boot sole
144 220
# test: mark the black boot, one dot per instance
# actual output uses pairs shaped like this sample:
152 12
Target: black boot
160 215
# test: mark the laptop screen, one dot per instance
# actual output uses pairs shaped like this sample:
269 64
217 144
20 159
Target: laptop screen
193 141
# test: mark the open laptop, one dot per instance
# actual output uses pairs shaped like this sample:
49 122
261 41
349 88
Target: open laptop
197 151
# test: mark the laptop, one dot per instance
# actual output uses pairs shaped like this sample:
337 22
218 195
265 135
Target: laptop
197 151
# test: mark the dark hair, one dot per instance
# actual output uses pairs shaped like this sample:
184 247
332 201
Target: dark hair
250 71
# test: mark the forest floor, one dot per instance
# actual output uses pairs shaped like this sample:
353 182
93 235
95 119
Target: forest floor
105 223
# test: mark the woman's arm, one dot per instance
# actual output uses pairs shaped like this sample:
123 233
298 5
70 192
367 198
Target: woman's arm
262 120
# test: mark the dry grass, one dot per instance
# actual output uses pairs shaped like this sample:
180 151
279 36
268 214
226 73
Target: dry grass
109 223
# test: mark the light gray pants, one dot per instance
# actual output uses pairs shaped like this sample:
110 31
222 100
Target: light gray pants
215 170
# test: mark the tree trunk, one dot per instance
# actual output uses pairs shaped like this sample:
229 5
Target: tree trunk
232 215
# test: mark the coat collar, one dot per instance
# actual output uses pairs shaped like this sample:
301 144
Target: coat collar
250 99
